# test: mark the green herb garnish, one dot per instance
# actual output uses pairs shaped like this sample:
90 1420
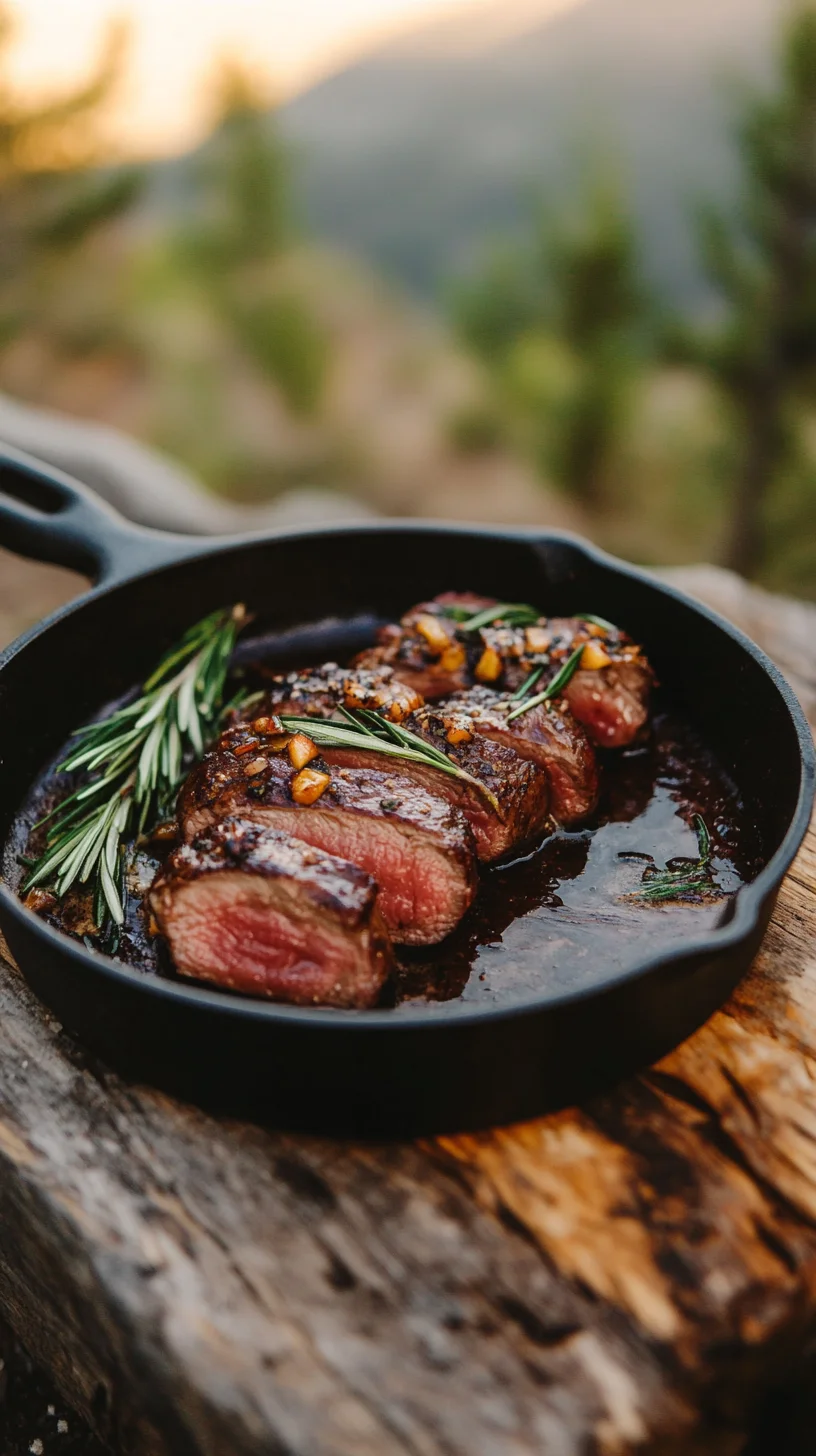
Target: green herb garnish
681 878
367 730
527 687
456 614
557 685
515 614
134 763
596 622
510 614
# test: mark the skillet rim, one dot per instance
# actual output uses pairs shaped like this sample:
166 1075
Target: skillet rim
748 903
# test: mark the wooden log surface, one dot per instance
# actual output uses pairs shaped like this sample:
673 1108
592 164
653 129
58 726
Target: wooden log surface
631 1276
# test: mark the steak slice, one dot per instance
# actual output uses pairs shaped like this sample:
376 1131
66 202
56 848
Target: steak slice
516 806
319 691
519 787
256 911
426 650
416 846
547 735
522 800
521 790
608 695
614 709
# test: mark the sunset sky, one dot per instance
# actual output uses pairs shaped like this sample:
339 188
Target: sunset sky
176 43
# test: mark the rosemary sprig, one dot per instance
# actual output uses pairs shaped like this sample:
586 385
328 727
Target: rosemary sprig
510 614
680 878
456 614
515 615
526 687
368 730
132 764
553 689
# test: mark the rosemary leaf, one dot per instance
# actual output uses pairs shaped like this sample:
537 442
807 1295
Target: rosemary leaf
510 614
52 859
378 726
703 839
457 614
110 892
358 722
673 888
412 740
527 687
692 877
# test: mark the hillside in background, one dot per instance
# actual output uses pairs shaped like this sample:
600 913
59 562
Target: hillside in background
267 351
135 342
421 152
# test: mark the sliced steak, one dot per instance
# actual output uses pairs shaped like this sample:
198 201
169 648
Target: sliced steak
425 649
507 807
417 847
609 694
256 911
521 791
520 806
319 691
614 709
547 735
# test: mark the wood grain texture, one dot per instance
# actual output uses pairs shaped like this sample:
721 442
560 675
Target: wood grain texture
629 1277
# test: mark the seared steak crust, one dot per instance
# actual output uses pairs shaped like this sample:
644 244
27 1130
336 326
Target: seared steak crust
519 787
256 911
611 699
520 790
432 670
239 844
546 735
522 803
416 846
320 691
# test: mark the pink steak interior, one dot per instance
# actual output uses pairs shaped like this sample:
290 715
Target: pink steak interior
423 893
228 928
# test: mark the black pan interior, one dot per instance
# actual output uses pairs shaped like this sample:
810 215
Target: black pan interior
370 1071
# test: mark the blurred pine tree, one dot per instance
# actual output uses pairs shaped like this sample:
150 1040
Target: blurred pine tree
574 288
599 312
762 352
240 227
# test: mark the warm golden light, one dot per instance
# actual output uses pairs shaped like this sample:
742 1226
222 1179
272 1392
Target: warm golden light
176 44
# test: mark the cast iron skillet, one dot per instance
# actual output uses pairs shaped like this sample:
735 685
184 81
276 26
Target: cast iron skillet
371 1071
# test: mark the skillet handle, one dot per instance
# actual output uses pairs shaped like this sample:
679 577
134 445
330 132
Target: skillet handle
46 515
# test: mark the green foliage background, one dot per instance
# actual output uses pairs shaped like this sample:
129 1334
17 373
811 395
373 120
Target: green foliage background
673 437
